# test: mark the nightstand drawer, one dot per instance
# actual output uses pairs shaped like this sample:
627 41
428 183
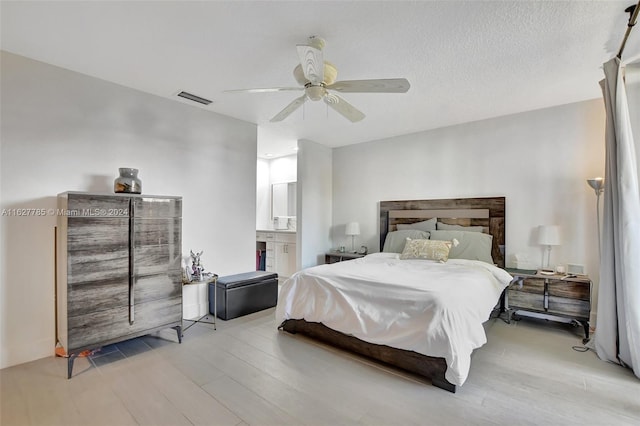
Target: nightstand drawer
533 285
569 307
528 285
569 289
518 299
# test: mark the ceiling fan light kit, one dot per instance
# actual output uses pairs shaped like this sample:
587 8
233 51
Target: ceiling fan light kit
329 70
317 79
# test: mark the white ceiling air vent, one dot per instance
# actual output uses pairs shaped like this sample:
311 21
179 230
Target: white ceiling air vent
194 98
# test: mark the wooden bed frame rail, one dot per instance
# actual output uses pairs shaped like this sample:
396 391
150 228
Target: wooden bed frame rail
413 362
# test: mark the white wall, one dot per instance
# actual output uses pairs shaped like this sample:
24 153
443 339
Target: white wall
314 203
538 160
66 131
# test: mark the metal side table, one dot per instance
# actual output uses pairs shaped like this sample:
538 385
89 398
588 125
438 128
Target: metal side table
213 279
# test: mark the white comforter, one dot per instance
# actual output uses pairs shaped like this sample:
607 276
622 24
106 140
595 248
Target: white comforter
436 309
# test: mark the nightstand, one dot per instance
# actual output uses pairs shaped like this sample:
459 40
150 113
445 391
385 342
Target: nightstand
555 295
337 256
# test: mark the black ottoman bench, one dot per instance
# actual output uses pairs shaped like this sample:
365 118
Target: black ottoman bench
243 294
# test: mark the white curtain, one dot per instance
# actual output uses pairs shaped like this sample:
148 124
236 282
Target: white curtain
618 329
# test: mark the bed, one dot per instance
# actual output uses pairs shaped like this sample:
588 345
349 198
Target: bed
421 315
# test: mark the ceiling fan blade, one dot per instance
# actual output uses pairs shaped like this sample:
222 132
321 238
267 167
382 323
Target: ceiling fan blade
343 107
388 85
312 63
264 90
297 103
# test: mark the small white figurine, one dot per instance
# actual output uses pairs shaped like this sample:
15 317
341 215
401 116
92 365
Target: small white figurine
197 269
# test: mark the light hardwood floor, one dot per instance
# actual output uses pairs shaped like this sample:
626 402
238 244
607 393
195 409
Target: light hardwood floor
248 373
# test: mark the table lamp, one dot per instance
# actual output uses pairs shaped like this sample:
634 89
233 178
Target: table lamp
353 229
548 235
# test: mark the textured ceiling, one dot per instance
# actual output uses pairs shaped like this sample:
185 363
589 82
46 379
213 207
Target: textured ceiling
466 60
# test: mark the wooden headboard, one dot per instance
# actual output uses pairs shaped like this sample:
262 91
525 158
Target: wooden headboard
486 212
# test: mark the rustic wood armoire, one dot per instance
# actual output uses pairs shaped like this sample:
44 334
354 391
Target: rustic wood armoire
118 268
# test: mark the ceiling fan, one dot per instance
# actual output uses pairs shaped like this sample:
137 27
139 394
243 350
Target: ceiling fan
317 78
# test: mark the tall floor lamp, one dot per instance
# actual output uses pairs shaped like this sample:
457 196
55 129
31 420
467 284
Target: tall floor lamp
598 186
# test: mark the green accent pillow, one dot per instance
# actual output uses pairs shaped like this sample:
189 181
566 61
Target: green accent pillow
472 245
395 241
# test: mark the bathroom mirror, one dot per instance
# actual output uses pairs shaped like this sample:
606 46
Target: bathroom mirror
283 199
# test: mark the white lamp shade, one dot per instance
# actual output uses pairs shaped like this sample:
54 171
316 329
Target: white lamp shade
549 235
353 228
